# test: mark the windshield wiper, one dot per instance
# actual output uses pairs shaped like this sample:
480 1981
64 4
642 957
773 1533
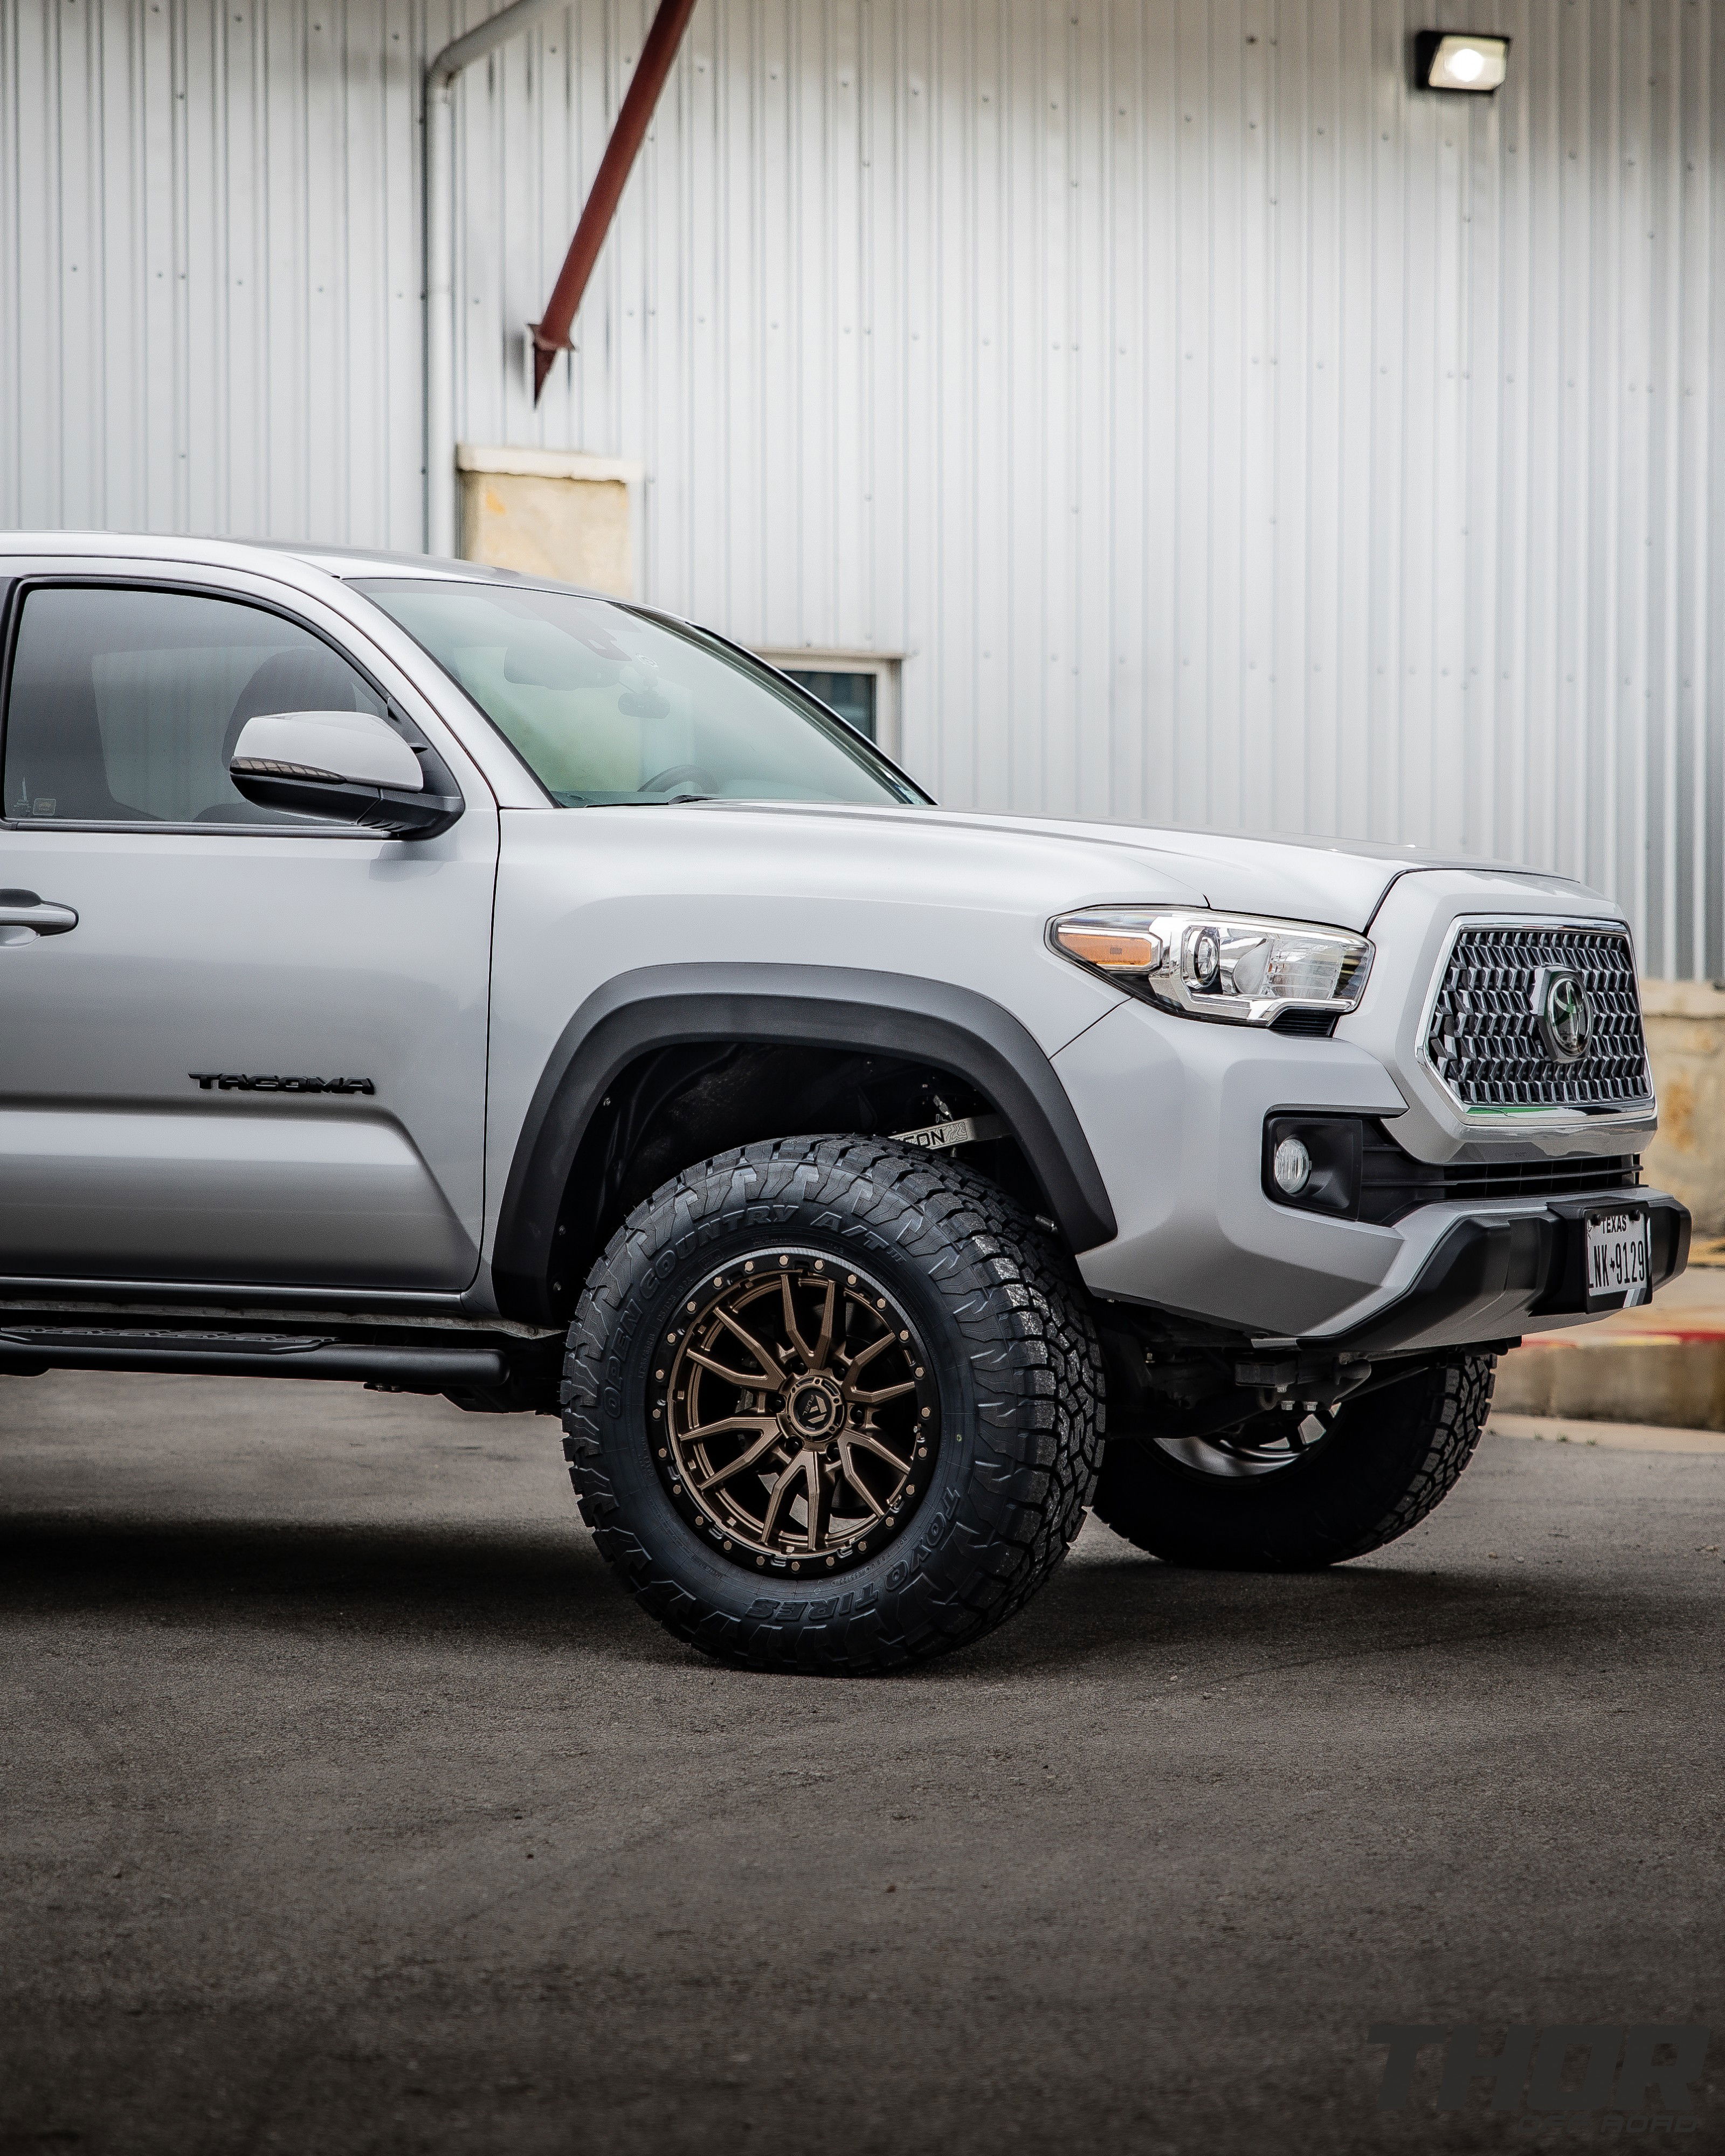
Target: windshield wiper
641 801
655 800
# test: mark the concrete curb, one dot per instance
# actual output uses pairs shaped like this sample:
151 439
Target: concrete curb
1673 1376
1616 1436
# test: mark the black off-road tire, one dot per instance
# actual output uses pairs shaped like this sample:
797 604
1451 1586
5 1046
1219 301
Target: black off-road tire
1394 1456
1010 1341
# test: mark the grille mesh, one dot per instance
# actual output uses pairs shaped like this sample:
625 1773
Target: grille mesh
1485 1041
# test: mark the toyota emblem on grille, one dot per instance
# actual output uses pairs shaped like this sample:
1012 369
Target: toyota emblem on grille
1565 1013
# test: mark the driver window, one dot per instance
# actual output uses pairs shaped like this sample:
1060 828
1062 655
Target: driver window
125 703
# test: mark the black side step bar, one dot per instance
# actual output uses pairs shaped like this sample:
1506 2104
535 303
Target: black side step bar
36 1347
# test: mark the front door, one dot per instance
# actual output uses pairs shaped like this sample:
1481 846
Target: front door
258 1054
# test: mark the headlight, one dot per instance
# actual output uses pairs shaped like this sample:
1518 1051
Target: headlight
1225 966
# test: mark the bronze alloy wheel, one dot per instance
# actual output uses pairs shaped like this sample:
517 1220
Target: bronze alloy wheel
832 1405
794 1412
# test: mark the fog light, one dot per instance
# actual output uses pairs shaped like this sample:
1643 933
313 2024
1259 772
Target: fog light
1314 1162
1459 60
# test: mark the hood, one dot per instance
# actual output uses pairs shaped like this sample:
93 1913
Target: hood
1074 863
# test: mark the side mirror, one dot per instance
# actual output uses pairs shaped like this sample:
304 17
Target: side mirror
349 764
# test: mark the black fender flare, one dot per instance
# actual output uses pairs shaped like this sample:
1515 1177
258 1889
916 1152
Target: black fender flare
955 1029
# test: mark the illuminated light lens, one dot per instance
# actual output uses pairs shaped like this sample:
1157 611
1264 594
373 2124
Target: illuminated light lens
1203 956
1463 60
1115 950
1291 1167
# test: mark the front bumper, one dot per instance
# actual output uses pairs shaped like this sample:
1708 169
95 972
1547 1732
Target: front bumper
1494 1276
1175 1113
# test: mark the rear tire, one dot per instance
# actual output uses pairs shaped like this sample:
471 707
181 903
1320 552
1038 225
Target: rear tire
1391 1457
726 1316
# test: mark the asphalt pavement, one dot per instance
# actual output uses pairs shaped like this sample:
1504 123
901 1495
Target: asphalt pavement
348 1806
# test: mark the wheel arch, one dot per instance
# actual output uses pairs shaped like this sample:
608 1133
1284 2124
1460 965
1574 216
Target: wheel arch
951 1030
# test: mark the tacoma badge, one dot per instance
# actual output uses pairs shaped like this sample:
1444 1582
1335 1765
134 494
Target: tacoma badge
237 1081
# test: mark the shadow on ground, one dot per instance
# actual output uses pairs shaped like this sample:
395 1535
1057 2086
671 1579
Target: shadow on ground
349 1806
548 1589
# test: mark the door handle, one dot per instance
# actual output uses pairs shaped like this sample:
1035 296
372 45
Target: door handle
24 916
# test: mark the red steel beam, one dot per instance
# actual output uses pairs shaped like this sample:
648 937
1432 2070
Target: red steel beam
551 335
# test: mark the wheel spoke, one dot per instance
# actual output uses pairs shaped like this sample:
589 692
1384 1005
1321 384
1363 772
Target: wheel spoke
856 1482
1326 1421
743 1381
751 1344
867 1356
873 1444
824 1346
746 1458
819 1501
885 1393
702 1431
780 1496
792 1327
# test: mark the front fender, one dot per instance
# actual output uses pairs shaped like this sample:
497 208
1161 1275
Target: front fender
954 1030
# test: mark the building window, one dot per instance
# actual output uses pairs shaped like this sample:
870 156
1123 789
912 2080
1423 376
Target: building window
862 687
851 695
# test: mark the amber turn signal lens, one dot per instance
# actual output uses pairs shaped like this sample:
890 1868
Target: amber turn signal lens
1116 950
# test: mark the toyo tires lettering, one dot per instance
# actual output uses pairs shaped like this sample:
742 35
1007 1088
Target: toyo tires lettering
816 1613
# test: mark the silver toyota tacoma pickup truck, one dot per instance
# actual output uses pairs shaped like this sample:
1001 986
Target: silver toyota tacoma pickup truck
443 979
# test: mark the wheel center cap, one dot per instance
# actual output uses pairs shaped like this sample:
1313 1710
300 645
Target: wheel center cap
815 1407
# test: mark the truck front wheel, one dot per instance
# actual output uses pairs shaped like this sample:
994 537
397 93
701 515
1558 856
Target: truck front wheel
1288 1493
832 1405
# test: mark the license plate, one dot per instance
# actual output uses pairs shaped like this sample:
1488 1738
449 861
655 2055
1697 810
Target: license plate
1617 1266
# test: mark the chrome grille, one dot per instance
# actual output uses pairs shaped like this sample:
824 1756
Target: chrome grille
1484 1039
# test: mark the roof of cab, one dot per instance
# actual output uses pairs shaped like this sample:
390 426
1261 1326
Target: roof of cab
374 561
344 561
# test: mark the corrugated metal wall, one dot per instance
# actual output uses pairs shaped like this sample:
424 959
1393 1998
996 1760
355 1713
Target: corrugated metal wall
1224 434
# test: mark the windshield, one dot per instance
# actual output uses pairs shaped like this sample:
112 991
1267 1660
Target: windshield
610 707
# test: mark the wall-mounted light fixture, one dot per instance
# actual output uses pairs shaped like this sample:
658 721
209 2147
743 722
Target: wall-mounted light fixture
1460 59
